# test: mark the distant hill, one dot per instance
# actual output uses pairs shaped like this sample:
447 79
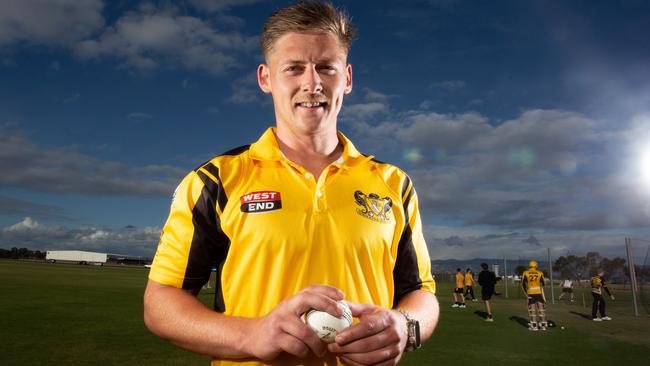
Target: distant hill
450 265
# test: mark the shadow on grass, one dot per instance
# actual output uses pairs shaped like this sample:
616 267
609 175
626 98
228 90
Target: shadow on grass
523 322
586 316
481 314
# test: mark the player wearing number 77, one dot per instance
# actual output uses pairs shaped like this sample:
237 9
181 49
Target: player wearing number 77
532 281
297 220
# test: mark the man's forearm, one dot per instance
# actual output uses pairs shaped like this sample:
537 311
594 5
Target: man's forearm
423 306
181 318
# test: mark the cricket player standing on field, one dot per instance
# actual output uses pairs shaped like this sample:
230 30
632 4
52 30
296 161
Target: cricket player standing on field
533 281
297 220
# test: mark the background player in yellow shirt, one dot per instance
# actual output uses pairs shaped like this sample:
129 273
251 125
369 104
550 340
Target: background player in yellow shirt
297 220
597 287
459 299
469 284
533 281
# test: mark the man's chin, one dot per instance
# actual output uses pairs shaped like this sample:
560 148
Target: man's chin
314 125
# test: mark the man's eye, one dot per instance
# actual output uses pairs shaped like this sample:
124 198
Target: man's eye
327 69
292 68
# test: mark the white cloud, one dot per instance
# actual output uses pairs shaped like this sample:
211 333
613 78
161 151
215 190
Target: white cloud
245 90
545 169
363 111
26 225
36 236
375 96
146 39
49 22
26 165
151 38
443 131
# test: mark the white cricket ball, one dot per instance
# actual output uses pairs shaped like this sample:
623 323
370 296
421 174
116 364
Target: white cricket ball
562 328
327 325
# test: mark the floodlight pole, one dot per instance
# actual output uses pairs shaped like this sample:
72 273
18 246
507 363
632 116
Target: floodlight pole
505 276
630 263
550 266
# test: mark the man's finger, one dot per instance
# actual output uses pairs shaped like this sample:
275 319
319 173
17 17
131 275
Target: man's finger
289 344
320 297
367 327
386 355
359 309
303 333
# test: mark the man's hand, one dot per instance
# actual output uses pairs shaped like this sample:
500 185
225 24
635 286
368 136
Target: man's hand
283 330
378 339
612 297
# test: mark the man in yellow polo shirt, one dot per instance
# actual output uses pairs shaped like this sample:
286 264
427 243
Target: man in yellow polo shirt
459 299
297 220
469 284
533 281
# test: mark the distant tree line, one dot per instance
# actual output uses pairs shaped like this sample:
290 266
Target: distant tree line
583 267
21 253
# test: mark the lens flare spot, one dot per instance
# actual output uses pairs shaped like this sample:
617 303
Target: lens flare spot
522 157
412 155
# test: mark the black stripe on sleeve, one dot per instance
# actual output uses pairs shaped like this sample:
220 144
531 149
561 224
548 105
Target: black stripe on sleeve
406 274
210 244
221 194
405 186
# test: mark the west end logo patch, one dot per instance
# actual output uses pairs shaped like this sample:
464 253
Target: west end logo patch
373 207
260 201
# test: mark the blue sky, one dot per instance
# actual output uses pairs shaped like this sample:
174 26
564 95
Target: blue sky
524 124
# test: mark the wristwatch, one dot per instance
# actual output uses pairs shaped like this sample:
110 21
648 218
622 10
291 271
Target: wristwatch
413 326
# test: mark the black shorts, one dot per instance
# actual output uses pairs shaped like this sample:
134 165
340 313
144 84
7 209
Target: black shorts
458 290
567 290
486 294
532 299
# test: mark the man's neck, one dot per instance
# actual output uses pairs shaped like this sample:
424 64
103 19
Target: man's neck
313 152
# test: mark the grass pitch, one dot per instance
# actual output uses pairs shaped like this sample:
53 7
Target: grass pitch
73 315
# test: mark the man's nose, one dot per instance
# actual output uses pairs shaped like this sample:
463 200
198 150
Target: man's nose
311 81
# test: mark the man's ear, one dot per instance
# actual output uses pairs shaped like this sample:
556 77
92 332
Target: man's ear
348 77
263 78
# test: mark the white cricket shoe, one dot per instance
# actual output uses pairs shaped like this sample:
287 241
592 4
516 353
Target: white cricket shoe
606 318
454 306
462 306
597 319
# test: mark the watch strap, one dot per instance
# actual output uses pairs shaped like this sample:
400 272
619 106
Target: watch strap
413 326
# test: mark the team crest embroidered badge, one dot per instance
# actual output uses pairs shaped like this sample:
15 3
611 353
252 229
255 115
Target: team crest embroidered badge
373 207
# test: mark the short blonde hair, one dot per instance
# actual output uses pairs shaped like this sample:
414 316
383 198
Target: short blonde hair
308 16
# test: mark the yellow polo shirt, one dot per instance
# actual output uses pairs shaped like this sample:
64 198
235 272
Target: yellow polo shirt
460 279
533 280
271 229
469 279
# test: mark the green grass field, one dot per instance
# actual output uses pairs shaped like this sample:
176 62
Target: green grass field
72 315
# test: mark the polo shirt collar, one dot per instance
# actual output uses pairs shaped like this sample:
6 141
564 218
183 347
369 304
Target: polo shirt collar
266 148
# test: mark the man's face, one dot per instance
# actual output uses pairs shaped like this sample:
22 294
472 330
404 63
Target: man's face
307 74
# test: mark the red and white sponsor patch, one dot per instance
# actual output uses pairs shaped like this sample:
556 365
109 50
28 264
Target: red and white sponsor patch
260 201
